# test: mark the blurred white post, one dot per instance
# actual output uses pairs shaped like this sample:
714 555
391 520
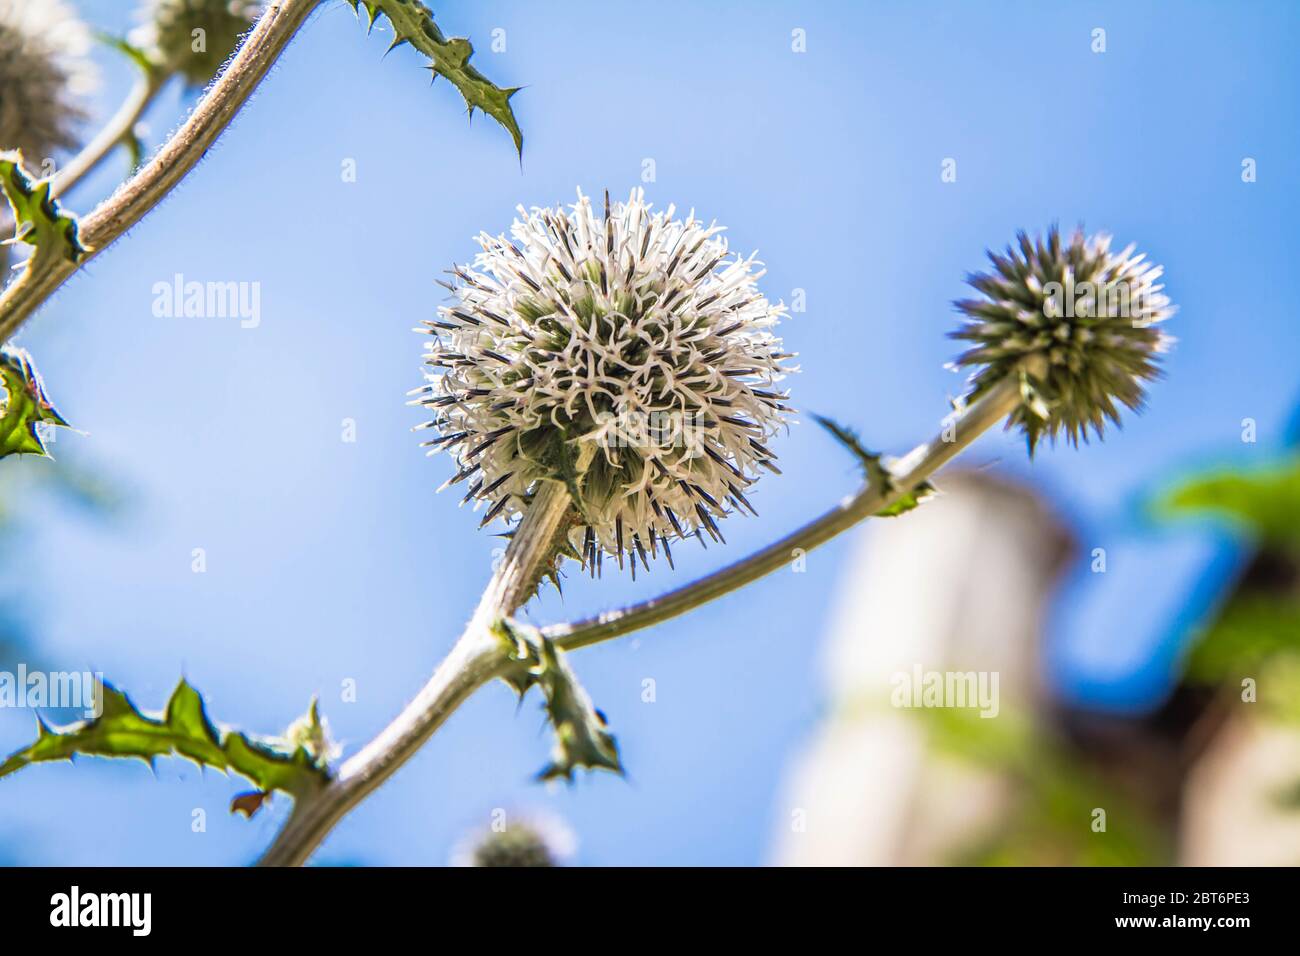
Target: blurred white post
959 585
1239 797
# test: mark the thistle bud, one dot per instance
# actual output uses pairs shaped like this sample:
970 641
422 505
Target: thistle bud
44 70
311 732
195 37
1078 324
535 841
627 355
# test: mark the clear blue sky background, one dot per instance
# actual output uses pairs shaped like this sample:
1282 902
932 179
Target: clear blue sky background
329 561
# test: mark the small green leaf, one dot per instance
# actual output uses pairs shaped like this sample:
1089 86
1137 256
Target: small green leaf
182 730
413 23
25 405
153 74
581 739
129 50
40 220
907 502
877 475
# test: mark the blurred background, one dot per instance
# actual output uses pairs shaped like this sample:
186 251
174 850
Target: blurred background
1138 598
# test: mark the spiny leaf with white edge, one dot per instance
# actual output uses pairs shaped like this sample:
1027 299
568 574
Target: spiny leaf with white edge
877 475
182 730
412 23
581 739
40 220
24 405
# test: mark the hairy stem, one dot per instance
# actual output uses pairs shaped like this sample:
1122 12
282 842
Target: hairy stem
477 657
42 276
918 465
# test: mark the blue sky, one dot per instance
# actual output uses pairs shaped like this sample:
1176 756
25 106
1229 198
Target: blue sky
330 561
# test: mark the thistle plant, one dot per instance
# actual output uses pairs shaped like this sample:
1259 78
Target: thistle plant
44 73
194 37
1078 325
25 405
626 356
607 382
533 841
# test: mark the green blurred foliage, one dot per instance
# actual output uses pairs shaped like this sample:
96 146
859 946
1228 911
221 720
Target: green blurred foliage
1257 630
1056 798
1265 503
1254 634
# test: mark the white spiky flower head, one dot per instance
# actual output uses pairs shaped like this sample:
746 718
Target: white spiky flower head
628 355
44 72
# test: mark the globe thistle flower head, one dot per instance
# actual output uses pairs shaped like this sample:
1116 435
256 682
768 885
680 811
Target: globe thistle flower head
537 840
195 37
44 71
1078 323
628 355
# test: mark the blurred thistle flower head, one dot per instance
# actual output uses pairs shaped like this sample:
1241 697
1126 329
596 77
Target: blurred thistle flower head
536 840
44 72
1078 323
194 37
628 355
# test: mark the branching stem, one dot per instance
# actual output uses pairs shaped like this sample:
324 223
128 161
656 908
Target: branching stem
116 131
110 219
919 464
479 655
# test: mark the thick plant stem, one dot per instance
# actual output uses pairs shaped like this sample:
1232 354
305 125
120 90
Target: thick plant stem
478 657
918 465
181 153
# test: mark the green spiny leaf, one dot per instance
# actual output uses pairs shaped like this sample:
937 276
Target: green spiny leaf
183 730
25 405
581 739
877 475
413 23
40 220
